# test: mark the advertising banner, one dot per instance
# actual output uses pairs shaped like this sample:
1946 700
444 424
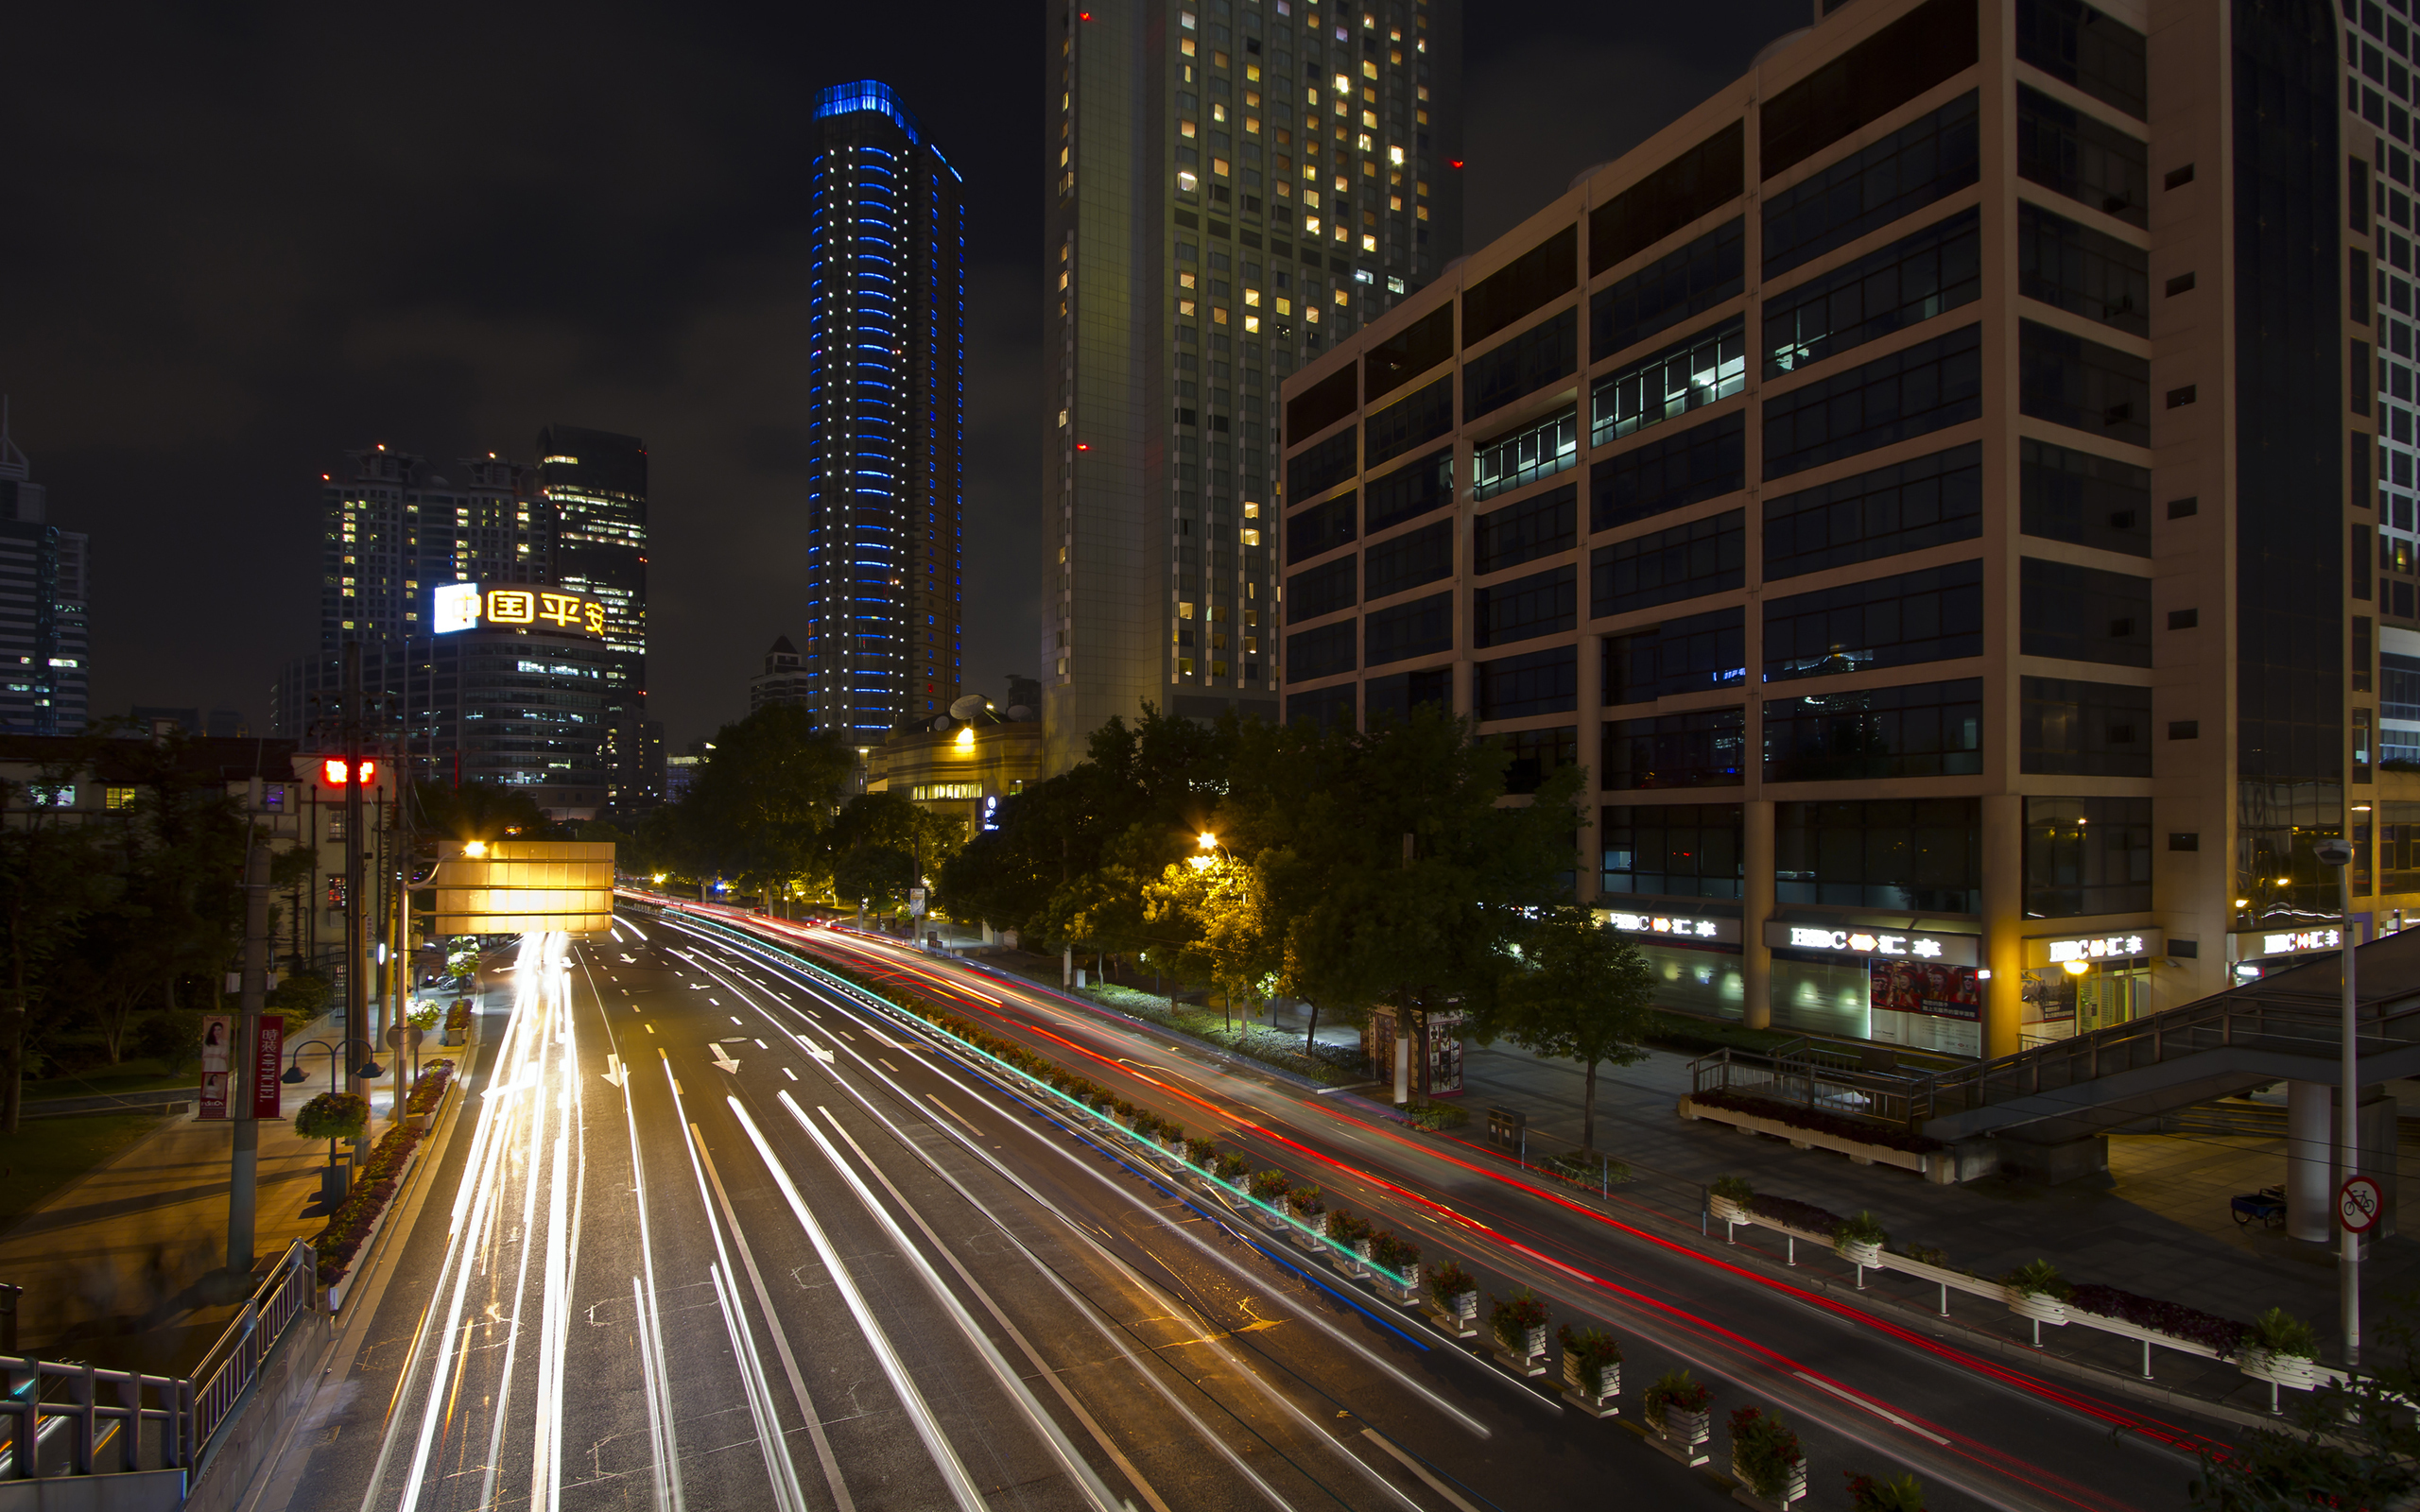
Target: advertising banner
1929 988
217 1059
269 1058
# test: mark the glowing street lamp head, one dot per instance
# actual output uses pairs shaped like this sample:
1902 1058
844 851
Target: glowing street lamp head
1207 840
474 849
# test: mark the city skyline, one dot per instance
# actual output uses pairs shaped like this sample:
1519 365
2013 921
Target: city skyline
632 298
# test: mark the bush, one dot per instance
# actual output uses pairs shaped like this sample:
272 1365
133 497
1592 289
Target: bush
1306 1203
2280 1332
1764 1450
2038 1278
1678 1390
1202 1153
1925 1254
457 1018
1271 1187
1348 1227
1822 1122
1860 1227
301 998
1448 1281
1804 1216
1512 1319
1582 1169
1231 1168
2223 1334
1438 1117
1593 1351
374 1183
1393 1254
333 1116
171 1038
1902 1493
1733 1189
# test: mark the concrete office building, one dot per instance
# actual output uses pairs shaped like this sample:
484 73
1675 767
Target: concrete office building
1233 186
783 679
393 528
595 487
886 417
45 640
1951 419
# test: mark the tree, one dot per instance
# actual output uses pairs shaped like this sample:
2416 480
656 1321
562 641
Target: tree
1581 993
1208 918
51 878
1394 861
882 844
2350 1445
481 810
763 799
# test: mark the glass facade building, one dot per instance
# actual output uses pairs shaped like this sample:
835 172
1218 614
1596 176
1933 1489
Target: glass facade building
46 643
1978 656
1234 186
595 485
886 418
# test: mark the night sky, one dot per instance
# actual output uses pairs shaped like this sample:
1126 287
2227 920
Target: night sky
244 238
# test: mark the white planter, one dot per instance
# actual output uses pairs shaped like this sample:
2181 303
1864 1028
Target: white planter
1593 1402
1273 1222
1857 1252
1404 1293
1793 1489
2290 1370
1347 1256
1304 1240
1683 1434
2037 1307
1458 1316
1531 1358
1726 1210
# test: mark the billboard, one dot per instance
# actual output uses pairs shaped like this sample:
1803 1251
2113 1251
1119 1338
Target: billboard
455 606
518 887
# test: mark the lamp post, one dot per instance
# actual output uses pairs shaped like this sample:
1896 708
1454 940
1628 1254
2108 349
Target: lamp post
368 1068
2339 855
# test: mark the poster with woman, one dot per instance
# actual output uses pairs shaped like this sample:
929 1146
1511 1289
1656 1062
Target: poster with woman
218 1050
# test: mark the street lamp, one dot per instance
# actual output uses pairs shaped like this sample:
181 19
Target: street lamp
2337 853
369 1070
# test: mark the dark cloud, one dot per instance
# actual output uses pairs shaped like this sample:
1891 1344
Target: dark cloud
245 237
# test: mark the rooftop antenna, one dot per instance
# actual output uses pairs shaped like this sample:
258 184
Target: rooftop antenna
12 461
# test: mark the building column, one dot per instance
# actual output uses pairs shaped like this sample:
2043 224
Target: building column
2003 921
2310 1156
1757 899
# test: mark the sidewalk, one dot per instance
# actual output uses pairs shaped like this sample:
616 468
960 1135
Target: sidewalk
126 1268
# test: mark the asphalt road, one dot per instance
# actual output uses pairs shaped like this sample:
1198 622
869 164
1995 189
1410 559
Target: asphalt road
1866 1393
711 1233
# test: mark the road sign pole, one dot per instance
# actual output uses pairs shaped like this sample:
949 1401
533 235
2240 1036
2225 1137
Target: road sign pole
2348 1253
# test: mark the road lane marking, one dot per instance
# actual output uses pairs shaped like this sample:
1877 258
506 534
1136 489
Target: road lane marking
920 1412
781 1340
1417 1468
887 1065
791 1075
956 1114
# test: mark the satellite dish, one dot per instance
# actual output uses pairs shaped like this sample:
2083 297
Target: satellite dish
941 722
1019 714
968 707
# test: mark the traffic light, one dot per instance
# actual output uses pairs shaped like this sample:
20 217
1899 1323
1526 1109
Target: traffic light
341 773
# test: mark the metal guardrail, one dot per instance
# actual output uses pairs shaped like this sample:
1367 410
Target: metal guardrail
1803 1074
232 1362
101 1417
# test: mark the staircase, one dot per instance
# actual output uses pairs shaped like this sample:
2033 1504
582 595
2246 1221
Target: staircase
2285 1027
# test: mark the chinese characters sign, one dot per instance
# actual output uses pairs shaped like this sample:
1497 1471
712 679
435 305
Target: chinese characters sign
466 606
1949 950
1672 926
2125 944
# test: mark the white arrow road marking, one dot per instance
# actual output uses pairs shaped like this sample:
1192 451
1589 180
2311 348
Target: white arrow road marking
616 1075
723 1058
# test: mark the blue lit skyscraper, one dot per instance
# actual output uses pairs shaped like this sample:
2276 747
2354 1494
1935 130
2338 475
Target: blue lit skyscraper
886 418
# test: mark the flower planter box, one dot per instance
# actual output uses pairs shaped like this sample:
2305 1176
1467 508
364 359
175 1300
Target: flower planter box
1304 1240
2281 1370
1531 1361
1597 1403
1683 1434
1274 1222
1727 1212
1403 1294
1858 1152
1857 1252
450 1039
1793 1489
1350 1263
1460 1319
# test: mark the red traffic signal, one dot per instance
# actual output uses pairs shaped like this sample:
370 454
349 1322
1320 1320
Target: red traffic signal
339 773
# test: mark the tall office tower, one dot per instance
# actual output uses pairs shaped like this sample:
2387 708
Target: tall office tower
45 658
1233 186
886 417
596 483
394 529
2380 55
1951 418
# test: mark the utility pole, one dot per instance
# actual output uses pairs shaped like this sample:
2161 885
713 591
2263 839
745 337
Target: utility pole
244 1190
2339 855
357 932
